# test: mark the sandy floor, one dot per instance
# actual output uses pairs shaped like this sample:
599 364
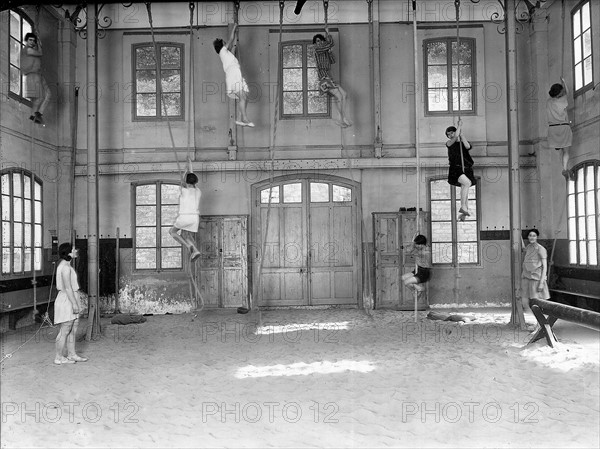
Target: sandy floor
319 378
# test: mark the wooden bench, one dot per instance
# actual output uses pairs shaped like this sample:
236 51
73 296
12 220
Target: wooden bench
555 311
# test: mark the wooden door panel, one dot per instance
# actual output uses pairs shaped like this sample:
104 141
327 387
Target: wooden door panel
321 243
292 244
209 286
234 287
344 236
272 248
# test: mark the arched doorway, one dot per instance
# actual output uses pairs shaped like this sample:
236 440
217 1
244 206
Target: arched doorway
313 240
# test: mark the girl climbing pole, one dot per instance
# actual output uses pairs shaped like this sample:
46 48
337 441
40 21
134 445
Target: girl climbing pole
559 127
460 172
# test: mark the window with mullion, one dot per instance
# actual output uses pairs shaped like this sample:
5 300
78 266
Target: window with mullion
21 245
583 205
583 73
156 207
453 241
19 26
158 88
449 76
300 82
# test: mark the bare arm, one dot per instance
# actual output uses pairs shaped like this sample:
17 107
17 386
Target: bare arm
34 51
564 84
66 279
231 42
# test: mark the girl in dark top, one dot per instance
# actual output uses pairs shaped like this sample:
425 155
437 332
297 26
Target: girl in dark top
460 172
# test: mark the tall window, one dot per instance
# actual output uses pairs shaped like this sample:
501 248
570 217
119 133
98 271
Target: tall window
158 89
583 202
442 76
582 47
300 82
453 240
156 207
21 222
19 26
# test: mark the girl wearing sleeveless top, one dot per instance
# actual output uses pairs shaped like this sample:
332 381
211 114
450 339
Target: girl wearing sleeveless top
67 307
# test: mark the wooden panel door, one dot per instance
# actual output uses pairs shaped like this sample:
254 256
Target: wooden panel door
392 233
223 264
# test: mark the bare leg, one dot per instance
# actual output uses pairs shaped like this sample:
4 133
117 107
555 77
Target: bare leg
341 96
174 232
465 183
243 100
45 97
565 158
61 340
190 239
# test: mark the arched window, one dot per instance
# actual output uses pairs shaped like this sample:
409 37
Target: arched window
22 221
19 26
583 202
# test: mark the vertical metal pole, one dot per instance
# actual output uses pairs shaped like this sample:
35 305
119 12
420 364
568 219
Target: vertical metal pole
117 271
374 61
92 171
517 318
417 135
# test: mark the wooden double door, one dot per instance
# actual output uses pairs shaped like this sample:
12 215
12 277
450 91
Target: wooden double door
306 242
222 269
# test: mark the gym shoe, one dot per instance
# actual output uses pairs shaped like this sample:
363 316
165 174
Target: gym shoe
77 358
195 255
63 361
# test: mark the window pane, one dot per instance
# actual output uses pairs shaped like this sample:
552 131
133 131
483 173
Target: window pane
6 233
15 80
15 25
582 253
571 206
38 258
168 215
578 75
292 102
172 103
577 23
436 53
292 193
590 206
166 240
37 191
310 56
466 231
580 203
317 104
440 190
169 194
5 260
585 16
170 258
577 50
171 80
441 231
145 237
587 64
581 228
593 252
17 260
440 210
145 259
319 192
145 215
145 194
466 100
170 56
146 105
264 195
15 50
38 211
292 79
341 193
292 56
5 207
312 79
5 184
441 252
591 227
27 259
27 212
467 253
17 209
17 190
437 100
145 81
37 238
572 229
27 235
587 43
437 76
144 57
26 187
572 252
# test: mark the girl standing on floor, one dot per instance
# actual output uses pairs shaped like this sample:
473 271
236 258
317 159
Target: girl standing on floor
534 279
67 307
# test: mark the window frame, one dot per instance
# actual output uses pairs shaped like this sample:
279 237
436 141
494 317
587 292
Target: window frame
306 44
450 110
590 85
22 17
159 94
573 220
455 198
158 268
34 180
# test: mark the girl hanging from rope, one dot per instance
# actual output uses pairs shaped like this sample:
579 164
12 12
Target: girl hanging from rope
460 172
235 84
36 88
559 128
324 58
188 218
